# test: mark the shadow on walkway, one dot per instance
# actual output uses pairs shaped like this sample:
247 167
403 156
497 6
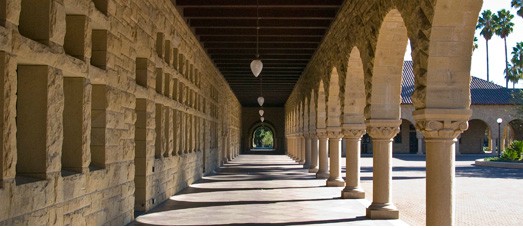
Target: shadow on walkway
260 190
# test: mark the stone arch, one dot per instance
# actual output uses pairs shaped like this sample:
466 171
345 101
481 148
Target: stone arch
267 124
513 131
475 138
333 101
322 107
384 97
354 94
442 54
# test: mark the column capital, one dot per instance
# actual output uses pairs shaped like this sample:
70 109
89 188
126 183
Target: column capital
321 133
353 130
334 132
442 123
383 128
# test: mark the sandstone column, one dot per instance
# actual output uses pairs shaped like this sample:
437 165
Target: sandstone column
352 135
382 133
314 153
307 151
301 152
323 170
440 128
335 179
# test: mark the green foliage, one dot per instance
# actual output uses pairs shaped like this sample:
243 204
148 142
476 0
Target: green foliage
514 73
486 24
268 139
503 25
263 138
518 4
513 152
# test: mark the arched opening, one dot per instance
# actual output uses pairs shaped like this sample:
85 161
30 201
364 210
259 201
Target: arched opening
406 141
513 131
476 138
263 138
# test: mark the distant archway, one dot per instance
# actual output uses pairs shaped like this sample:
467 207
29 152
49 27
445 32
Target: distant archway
262 137
476 138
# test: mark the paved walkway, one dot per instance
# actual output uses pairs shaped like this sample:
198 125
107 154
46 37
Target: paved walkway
261 190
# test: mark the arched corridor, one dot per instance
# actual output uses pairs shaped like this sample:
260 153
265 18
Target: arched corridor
110 108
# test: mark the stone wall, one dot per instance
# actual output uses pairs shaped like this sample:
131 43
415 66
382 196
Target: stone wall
108 106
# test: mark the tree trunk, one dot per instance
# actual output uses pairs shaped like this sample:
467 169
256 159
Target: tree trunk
506 62
488 71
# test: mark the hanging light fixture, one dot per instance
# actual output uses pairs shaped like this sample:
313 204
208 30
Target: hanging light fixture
261 112
262 119
256 64
260 101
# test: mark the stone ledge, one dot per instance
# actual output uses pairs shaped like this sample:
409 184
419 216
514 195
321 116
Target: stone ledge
508 165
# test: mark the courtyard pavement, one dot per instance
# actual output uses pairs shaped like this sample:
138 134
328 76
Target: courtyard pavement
485 196
261 190
274 190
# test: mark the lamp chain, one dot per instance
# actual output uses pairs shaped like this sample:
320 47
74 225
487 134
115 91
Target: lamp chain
257 28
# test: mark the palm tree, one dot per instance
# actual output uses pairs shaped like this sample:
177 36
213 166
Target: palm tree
475 44
518 4
503 27
517 54
516 69
486 24
513 74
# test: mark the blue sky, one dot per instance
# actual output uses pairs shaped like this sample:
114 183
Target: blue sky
496 47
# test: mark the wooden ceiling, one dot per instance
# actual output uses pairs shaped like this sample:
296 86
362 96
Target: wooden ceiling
290 31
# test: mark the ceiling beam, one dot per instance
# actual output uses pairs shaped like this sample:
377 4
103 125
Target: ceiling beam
266 13
264 23
251 3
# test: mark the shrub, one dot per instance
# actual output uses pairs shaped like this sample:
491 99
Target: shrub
513 152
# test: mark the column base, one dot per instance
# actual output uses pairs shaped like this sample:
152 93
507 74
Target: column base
313 170
336 183
322 175
306 166
382 211
352 193
301 162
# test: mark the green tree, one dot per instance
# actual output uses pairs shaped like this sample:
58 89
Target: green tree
486 24
503 28
517 54
475 44
268 139
514 74
518 4
515 70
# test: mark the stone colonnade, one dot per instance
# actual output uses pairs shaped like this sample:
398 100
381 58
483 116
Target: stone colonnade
353 84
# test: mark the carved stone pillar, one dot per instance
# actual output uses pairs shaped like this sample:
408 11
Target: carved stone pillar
352 135
307 151
335 179
314 153
382 133
323 169
301 152
440 128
